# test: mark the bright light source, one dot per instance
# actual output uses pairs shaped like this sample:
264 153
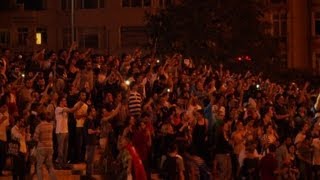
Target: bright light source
38 38
127 82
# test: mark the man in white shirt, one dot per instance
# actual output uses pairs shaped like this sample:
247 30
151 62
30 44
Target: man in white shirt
62 131
4 123
61 115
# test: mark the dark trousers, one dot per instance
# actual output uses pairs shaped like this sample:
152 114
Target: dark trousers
79 144
316 172
90 159
147 168
3 151
72 139
19 167
55 146
305 170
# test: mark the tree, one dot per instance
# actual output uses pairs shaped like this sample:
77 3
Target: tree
211 29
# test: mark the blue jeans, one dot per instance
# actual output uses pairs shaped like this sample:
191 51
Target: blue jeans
44 155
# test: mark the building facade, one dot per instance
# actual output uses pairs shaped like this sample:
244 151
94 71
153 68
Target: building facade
107 25
296 24
111 25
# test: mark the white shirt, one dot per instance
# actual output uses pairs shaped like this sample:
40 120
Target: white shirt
3 127
17 135
243 155
61 120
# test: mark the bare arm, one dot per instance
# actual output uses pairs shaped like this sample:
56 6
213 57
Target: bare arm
282 117
2 119
34 77
45 93
113 113
72 47
74 108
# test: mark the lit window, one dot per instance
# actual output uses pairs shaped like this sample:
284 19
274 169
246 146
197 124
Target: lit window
38 38
42 33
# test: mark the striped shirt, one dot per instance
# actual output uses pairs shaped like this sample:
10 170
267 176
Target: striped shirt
43 135
134 103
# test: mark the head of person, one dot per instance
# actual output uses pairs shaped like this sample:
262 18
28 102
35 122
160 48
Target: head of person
92 112
43 116
62 101
83 96
142 125
173 148
272 148
279 99
20 121
131 121
134 86
3 105
122 142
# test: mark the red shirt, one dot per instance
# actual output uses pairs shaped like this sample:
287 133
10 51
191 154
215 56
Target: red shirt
139 141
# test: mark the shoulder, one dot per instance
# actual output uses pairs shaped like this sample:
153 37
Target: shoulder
58 109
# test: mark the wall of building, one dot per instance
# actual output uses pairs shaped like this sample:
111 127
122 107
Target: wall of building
116 27
298 35
106 22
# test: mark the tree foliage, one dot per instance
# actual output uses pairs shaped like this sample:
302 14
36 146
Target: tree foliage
211 28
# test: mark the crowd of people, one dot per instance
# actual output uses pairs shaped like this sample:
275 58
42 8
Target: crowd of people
172 116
